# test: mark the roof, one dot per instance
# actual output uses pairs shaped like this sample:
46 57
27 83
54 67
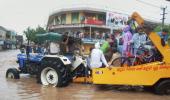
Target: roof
78 9
2 28
75 9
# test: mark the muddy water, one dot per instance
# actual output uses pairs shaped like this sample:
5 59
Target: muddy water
26 88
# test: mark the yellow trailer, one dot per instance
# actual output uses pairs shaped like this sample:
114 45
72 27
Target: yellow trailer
154 75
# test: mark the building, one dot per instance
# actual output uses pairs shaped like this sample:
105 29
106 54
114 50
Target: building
19 40
89 21
7 39
2 37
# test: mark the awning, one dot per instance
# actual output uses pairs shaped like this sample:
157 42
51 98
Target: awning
51 36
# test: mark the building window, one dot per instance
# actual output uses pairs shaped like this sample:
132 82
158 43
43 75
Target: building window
0 36
13 37
74 17
90 16
58 20
8 35
101 17
63 19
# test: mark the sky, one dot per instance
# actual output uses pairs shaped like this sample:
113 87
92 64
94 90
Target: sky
17 15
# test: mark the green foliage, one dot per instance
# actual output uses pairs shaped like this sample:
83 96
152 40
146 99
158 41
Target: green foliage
158 28
31 33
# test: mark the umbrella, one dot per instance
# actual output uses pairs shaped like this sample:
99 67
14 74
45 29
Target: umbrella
51 36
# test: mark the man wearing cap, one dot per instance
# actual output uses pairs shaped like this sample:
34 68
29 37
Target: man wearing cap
97 58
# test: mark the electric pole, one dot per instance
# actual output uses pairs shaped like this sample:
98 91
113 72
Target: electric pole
163 16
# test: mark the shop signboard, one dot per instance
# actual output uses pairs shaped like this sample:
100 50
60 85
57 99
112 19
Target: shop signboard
116 19
93 22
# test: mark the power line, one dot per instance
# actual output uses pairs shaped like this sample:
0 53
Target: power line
148 4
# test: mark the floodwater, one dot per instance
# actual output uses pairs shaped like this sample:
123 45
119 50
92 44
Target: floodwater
26 88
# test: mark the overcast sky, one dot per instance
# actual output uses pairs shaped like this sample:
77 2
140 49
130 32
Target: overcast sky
19 14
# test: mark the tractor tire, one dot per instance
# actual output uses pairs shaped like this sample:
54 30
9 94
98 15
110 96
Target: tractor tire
12 73
53 72
163 87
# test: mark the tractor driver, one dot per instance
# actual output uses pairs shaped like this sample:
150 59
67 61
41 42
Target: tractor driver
64 45
54 48
97 59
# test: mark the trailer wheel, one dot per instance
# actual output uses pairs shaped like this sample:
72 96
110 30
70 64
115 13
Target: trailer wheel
53 73
12 73
163 87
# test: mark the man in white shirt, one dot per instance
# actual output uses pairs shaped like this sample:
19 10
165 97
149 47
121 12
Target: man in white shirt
97 57
54 48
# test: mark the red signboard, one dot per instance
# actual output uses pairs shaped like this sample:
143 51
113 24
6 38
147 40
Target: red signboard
93 22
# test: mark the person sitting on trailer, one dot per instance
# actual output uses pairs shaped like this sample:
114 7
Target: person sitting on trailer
115 55
97 59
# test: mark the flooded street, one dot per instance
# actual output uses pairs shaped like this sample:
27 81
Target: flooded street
26 88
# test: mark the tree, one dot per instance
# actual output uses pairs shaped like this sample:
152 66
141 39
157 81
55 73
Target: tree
31 33
158 28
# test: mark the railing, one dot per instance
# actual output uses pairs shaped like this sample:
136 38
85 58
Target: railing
75 25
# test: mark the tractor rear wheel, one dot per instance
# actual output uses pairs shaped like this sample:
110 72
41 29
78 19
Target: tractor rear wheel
12 73
53 73
163 87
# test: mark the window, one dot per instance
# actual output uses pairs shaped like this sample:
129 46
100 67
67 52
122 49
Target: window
90 16
58 20
101 17
7 35
63 19
74 17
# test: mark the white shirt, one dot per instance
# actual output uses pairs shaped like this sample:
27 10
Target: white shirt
54 47
97 57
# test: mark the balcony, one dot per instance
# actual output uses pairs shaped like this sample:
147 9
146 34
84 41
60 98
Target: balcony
78 25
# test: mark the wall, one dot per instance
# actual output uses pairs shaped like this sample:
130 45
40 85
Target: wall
68 18
3 34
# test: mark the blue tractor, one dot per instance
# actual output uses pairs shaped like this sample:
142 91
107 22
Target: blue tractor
56 70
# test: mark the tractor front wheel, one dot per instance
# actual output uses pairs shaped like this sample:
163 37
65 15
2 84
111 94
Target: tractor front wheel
12 73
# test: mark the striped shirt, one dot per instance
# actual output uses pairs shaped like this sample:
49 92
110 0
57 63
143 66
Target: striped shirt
137 39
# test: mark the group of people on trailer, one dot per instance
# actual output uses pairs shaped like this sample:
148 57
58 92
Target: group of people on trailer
124 45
